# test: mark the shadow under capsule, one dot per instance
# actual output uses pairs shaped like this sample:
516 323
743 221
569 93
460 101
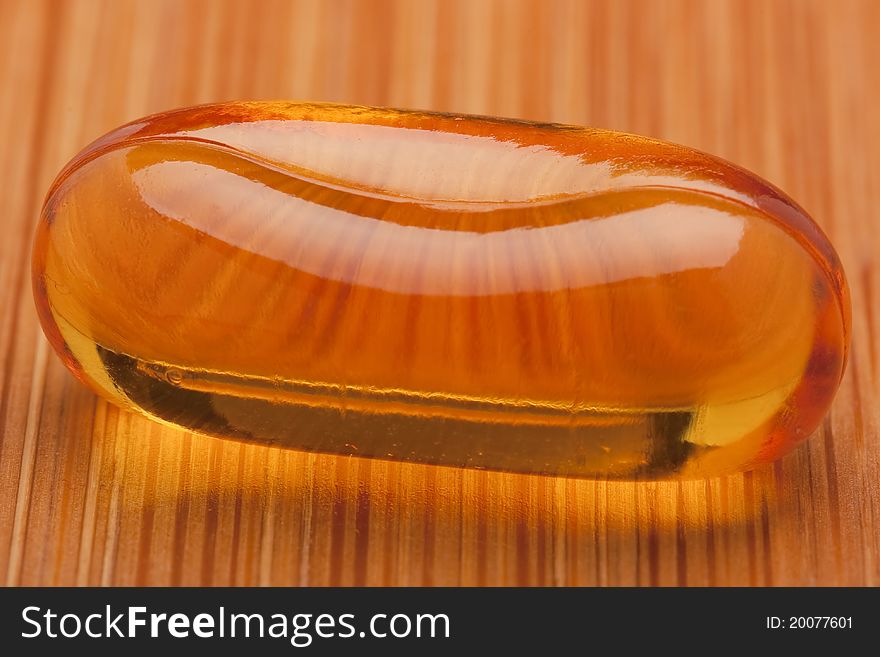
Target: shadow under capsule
176 507
326 519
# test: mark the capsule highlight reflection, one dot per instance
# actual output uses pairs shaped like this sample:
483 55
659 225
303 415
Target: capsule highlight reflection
457 290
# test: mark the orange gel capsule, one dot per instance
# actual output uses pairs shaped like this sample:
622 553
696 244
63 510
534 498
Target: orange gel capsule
443 289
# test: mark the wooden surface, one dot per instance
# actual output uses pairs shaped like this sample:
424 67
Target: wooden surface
92 495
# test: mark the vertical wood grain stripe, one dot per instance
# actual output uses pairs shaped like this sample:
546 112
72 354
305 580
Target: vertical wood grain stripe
92 495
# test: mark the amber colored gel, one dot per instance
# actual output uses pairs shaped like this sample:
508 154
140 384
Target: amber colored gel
443 289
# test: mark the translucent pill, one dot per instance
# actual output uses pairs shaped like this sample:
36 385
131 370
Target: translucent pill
456 290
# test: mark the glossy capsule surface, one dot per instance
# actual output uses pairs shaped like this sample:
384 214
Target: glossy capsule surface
457 290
